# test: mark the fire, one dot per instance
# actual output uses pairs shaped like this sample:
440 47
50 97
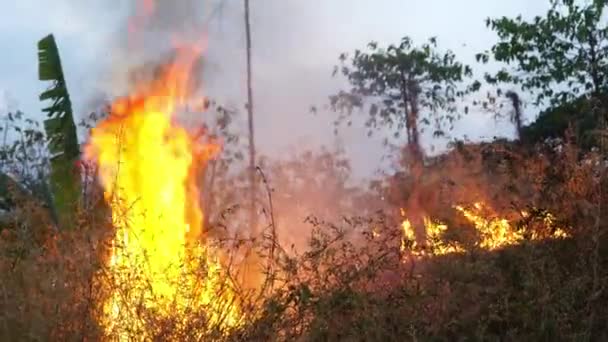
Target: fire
498 232
494 232
434 244
148 167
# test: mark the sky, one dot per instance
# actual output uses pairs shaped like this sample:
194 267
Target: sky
296 43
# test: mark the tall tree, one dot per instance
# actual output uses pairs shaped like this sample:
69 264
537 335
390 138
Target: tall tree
400 87
559 56
395 85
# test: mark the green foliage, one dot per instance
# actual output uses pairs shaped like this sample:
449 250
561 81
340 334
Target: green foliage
397 83
560 56
61 133
554 122
23 159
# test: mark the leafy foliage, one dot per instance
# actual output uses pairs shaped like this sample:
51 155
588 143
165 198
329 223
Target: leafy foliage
398 83
61 133
554 122
23 161
560 56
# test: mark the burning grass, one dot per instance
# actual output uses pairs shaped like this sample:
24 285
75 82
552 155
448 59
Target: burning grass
148 167
345 285
521 273
141 264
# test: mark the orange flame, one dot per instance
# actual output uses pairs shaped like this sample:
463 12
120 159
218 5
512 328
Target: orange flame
495 233
147 166
434 244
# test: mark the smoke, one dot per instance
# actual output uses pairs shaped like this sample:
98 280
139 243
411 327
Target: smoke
295 45
148 38
291 71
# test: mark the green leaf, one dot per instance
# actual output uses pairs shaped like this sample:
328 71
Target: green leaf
564 48
61 132
400 85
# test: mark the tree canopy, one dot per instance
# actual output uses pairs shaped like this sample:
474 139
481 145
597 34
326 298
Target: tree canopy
395 85
559 56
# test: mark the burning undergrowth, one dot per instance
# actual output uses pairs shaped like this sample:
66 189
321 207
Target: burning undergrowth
357 277
161 265
492 239
148 166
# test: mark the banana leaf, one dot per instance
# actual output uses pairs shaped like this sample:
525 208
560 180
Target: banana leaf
65 179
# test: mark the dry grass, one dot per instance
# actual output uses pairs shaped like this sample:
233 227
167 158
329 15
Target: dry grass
349 284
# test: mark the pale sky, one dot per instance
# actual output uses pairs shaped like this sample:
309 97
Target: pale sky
296 45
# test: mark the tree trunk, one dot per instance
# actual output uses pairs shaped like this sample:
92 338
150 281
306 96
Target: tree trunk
409 93
517 114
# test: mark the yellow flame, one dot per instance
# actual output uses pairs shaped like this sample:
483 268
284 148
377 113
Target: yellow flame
375 233
434 243
495 232
409 238
147 166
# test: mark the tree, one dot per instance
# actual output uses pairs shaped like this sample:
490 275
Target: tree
396 84
516 117
566 50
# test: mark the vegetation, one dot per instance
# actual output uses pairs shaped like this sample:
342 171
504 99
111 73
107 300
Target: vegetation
61 134
397 84
513 247
560 56
580 115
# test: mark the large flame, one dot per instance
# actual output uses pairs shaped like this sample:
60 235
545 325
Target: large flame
147 166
